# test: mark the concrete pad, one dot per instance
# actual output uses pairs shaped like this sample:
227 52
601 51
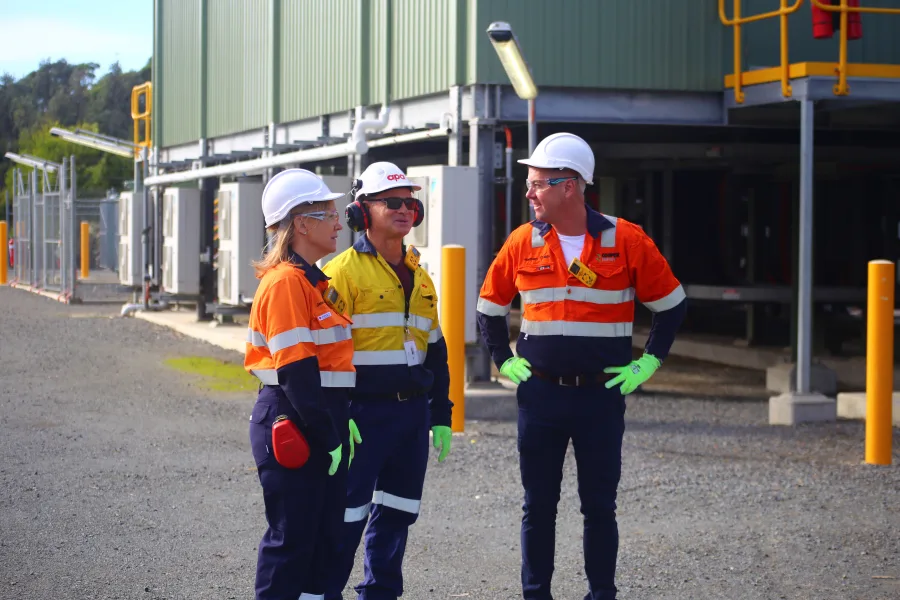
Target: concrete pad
230 337
783 378
792 408
852 405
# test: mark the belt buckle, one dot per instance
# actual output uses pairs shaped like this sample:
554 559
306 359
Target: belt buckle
564 384
401 398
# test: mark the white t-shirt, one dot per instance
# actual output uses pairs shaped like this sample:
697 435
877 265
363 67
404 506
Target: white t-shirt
571 246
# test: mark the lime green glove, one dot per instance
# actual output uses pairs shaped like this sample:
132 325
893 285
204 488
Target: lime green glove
335 460
442 437
354 439
517 369
633 374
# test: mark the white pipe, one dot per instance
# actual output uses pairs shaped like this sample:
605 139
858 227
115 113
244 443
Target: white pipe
410 137
358 137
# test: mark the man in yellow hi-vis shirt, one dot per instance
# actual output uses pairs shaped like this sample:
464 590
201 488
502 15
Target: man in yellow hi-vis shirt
402 378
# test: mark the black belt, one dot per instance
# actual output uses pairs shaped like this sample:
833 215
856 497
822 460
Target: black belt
398 396
581 380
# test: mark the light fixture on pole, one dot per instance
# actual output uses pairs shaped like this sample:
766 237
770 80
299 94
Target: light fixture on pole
33 162
510 53
97 141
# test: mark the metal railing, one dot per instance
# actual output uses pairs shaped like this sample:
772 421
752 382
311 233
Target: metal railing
142 137
841 88
739 20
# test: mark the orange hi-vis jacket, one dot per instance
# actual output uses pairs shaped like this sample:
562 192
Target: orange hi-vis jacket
300 343
567 327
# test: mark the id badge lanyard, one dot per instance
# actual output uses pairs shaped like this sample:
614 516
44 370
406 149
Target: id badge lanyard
409 344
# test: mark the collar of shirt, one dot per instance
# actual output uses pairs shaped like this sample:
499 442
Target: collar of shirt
313 273
364 246
596 223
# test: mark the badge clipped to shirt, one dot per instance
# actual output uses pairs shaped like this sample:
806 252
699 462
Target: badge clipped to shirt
334 299
409 346
582 273
412 258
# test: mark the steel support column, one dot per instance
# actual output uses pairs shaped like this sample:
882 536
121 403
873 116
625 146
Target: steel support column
804 267
481 155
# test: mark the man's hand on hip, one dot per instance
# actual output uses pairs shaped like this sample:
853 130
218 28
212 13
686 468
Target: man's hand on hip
633 374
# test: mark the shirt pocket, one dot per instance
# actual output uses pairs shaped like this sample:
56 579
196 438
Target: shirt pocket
611 277
535 276
379 299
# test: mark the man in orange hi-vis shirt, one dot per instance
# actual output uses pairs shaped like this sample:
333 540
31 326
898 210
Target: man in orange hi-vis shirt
578 273
300 347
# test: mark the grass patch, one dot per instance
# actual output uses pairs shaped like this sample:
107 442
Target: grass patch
216 375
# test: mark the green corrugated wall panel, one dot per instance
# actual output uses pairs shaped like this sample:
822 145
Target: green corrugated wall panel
237 74
636 44
424 47
761 40
178 99
319 50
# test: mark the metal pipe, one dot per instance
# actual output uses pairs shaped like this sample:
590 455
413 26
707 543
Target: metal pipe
358 137
532 128
509 180
804 268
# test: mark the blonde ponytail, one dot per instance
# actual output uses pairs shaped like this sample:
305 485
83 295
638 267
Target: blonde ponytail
282 235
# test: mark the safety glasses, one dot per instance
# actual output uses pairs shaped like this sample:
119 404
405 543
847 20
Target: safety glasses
396 203
539 184
321 215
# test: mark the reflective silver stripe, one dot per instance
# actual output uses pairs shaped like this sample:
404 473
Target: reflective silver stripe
267 376
289 338
305 596
486 307
537 240
383 357
608 237
255 338
667 302
331 335
338 378
391 501
395 319
352 515
576 329
578 294
435 335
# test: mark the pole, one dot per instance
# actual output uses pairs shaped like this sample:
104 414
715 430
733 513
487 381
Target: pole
453 325
4 261
532 128
85 249
880 362
509 181
804 267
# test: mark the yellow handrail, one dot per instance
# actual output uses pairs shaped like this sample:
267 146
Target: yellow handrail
142 117
736 23
842 89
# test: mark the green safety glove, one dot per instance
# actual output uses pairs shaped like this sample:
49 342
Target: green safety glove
355 438
442 437
517 369
633 374
335 460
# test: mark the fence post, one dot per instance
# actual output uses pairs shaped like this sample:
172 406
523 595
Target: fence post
879 362
453 326
85 249
4 262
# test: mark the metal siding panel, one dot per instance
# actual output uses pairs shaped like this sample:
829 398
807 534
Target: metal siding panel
237 74
178 110
424 39
377 35
319 58
638 44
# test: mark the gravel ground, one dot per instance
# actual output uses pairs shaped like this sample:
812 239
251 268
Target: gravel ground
120 478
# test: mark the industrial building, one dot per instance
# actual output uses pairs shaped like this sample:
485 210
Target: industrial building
756 141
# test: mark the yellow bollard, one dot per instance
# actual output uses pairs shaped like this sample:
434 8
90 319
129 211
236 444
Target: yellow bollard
879 362
453 325
4 262
85 249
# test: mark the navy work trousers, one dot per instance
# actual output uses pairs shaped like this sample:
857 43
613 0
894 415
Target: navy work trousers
304 507
594 419
384 488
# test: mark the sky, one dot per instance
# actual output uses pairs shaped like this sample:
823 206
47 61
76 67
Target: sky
99 31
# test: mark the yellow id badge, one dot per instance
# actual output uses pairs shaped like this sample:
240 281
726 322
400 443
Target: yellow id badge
412 258
333 299
582 273
409 346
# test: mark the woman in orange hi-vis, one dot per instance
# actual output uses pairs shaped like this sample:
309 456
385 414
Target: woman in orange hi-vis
300 348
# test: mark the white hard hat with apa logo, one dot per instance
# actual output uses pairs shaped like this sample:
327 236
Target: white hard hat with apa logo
380 176
563 151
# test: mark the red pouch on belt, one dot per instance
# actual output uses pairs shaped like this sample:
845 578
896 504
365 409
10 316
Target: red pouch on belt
290 447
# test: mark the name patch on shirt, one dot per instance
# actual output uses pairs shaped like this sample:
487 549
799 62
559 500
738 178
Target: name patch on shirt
324 316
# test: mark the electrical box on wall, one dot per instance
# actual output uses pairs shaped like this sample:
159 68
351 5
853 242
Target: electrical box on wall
131 221
450 197
339 184
241 237
181 241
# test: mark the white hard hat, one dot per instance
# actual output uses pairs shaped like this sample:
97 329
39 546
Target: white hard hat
380 176
291 188
563 151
